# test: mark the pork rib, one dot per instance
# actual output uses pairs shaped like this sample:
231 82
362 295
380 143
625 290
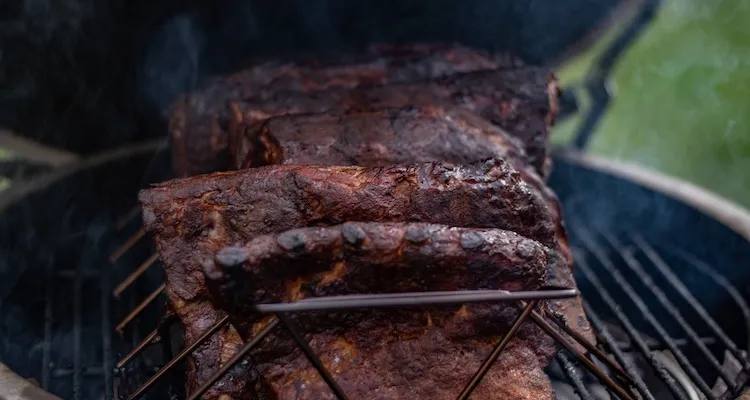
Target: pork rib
192 219
521 101
365 350
388 137
196 216
198 121
378 138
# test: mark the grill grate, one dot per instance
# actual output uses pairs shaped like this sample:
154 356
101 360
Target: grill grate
609 264
76 253
368 301
605 264
67 302
280 311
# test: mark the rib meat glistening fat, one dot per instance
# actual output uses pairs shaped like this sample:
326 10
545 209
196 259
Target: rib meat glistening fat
408 168
199 122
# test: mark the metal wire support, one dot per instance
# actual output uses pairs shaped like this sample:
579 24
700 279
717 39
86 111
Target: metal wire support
125 283
140 307
244 351
311 356
414 299
129 243
150 338
501 345
592 349
593 368
181 355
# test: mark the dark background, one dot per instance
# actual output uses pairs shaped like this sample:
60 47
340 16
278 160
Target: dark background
87 75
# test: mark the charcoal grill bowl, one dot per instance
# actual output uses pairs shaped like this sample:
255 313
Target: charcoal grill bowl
63 224
55 229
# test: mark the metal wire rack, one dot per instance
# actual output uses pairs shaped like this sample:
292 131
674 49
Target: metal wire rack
527 300
602 262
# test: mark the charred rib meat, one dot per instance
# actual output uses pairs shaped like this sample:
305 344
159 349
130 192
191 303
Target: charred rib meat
199 121
379 354
378 138
521 101
436 150
194 218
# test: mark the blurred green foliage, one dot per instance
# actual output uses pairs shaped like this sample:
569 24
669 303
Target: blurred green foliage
681 96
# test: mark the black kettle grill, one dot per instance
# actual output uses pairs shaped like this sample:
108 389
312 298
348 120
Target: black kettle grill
661 266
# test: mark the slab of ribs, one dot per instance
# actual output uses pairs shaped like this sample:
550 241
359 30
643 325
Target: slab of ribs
401 169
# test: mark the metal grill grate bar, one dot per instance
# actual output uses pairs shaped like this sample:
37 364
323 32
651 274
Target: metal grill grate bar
603 334
150 338
634 265
48 319
677 284
106 332
180 356
614 307
608 265
133 276
77 326
130 242
722 281
569 369
124 220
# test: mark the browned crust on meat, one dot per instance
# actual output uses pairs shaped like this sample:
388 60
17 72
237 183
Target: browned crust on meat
378 138
192 218
353 257
199 121
516 100
370 351
242 204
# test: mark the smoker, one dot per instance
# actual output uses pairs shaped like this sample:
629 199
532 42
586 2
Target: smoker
659 263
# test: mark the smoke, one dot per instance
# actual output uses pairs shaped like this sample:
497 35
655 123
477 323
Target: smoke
172 61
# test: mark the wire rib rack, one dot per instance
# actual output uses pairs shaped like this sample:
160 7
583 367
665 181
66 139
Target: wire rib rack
697 360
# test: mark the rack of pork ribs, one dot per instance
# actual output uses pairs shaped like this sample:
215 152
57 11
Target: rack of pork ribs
400 174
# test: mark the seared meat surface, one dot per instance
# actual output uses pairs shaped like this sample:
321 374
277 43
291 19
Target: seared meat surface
521 101
232 206
192 219
353 257
378 138
407 168
390 136
199 121
387 354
